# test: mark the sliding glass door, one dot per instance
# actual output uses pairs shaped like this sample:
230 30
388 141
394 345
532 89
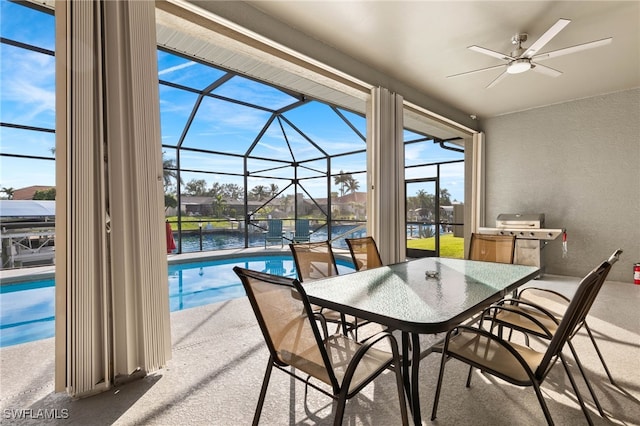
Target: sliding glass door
423 217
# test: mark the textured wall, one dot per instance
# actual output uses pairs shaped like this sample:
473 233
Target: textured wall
579 164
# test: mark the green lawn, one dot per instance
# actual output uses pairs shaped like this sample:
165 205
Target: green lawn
450 246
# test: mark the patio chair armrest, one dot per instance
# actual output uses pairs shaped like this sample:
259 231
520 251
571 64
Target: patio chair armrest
370 341
558 296
519 302
365 347
487 315
378 336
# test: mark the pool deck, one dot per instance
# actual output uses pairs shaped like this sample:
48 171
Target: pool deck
8 276
219 357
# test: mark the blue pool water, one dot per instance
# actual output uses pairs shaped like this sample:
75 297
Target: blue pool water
27 309
26 312
225 239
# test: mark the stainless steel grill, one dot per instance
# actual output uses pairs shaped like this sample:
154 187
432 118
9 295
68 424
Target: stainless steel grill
531 236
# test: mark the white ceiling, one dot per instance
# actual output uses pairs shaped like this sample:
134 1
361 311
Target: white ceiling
420 43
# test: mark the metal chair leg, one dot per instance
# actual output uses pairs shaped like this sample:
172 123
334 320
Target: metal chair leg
401 398
575 389
587 382
263 392
341 403
604 364
438 387
468 384
543 404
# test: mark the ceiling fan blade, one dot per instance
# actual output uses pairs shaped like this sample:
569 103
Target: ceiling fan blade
546 70
491 53
478 70
545 38
497 80
572 49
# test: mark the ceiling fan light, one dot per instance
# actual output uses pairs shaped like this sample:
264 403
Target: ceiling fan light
518 66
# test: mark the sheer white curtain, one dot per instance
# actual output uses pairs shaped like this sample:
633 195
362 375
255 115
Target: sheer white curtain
112 303
385 174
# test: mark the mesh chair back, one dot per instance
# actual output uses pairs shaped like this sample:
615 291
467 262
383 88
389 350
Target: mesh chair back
314 260
574 315
596 288
282 310
492 248
364 253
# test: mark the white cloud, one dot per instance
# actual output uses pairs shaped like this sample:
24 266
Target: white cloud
176 68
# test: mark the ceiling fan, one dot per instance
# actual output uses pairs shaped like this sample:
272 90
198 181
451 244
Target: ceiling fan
522 60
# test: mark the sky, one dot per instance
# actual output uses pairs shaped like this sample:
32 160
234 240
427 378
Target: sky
27 97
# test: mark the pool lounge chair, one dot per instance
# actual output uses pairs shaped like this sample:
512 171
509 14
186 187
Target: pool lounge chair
274 233
302 233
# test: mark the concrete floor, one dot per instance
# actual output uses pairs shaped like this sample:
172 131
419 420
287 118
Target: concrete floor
219 359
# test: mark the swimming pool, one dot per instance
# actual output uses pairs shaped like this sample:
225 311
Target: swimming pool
27 308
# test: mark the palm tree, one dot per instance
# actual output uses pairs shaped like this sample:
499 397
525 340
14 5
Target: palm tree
341 179
352 185
259 192
9 192
422 198
426 203
169 172
273 190
445 197
170 201
218 205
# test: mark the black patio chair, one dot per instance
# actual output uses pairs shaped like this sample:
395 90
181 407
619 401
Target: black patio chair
548 307
290 330
514 363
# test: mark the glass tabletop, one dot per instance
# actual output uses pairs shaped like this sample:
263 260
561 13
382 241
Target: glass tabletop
427 295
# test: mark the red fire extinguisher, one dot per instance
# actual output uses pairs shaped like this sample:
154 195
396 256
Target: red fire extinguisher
636 273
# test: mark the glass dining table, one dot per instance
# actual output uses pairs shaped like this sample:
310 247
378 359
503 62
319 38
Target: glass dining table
423 296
